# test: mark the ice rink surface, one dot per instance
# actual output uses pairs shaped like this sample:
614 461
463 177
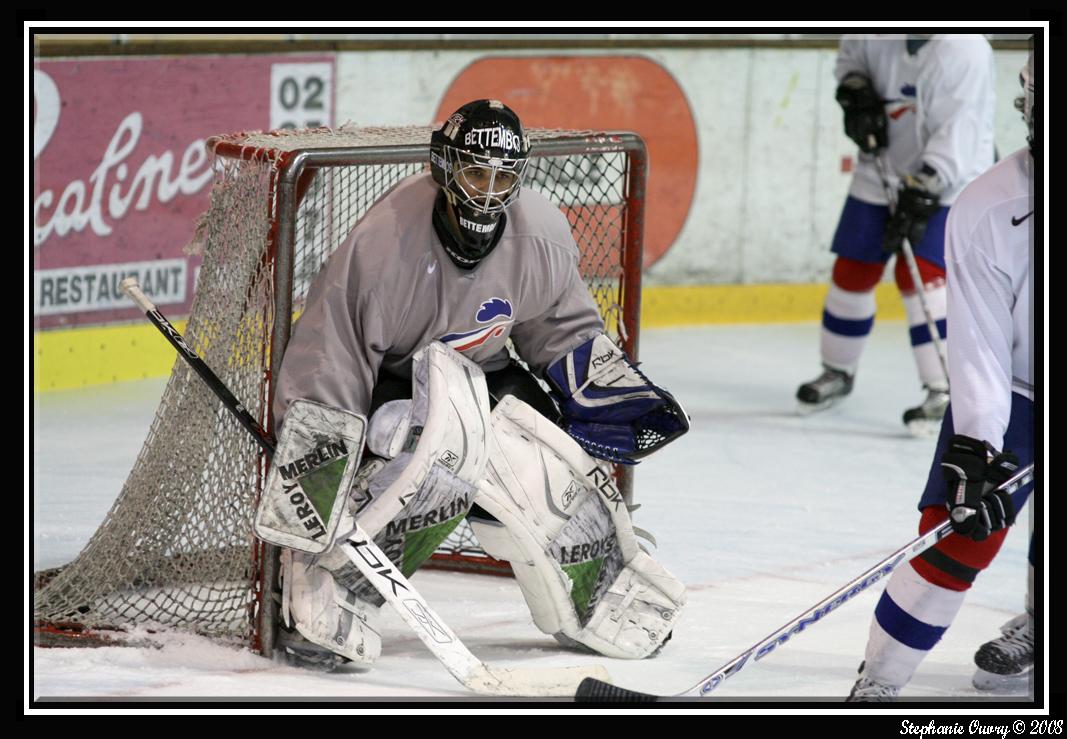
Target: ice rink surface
761 512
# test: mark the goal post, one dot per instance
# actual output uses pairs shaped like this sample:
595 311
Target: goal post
177 548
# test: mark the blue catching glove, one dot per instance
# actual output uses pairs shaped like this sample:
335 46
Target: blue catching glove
609 407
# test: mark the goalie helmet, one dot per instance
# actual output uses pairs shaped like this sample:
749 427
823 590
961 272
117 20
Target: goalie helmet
1025 102
478 157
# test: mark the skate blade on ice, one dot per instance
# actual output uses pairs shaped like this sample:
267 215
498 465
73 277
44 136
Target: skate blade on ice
1022 682
924 428
807 409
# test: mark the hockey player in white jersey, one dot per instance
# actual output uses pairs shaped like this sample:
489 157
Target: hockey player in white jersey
988 431
432 283
923 106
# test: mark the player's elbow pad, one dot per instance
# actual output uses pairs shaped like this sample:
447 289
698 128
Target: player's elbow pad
610 407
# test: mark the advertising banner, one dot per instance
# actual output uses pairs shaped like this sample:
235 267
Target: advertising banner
121 171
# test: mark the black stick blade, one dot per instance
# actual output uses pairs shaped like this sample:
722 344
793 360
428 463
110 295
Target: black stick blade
592 690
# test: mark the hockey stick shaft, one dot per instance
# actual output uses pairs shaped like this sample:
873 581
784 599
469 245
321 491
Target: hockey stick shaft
442 641
231 403
590 690
913 270
379 570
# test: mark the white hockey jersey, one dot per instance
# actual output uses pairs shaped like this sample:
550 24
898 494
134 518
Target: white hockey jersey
390 289
988 255
939 105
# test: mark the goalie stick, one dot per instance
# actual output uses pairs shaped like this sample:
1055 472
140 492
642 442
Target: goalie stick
379 570
593 690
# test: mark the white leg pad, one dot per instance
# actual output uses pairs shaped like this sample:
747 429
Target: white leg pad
566 531
434 450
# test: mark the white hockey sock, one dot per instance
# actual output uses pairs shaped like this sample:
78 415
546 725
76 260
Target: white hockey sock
846 322
930 372
909 620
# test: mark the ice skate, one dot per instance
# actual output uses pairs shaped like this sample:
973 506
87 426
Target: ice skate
871 691
1007 663
924 421
824 391
299 652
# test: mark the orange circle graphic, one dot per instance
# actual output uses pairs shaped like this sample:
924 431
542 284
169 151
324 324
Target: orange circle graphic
606 93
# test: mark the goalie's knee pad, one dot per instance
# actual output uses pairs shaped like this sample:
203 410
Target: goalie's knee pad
429 452
439 437
565 529
326 612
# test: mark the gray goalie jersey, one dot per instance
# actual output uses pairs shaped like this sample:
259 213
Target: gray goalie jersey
390 289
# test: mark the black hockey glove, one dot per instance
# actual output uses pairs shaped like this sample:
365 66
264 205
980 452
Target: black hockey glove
865 121
916 203
975 508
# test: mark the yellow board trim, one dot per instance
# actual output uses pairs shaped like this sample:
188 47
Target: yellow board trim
72 358
688 305
80 357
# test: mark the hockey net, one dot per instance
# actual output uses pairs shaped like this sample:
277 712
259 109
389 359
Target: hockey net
176 550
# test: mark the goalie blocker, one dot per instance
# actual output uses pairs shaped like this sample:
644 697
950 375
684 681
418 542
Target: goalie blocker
317 457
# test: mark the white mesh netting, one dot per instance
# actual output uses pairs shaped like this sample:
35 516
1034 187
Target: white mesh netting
176 549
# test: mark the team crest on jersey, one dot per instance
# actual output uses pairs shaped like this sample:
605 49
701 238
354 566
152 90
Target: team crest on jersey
497 312
897 107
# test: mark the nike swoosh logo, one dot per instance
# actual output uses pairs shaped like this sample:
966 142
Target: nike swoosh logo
431 267
1016 221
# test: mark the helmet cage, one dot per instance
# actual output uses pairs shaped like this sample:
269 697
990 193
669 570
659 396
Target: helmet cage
487 185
